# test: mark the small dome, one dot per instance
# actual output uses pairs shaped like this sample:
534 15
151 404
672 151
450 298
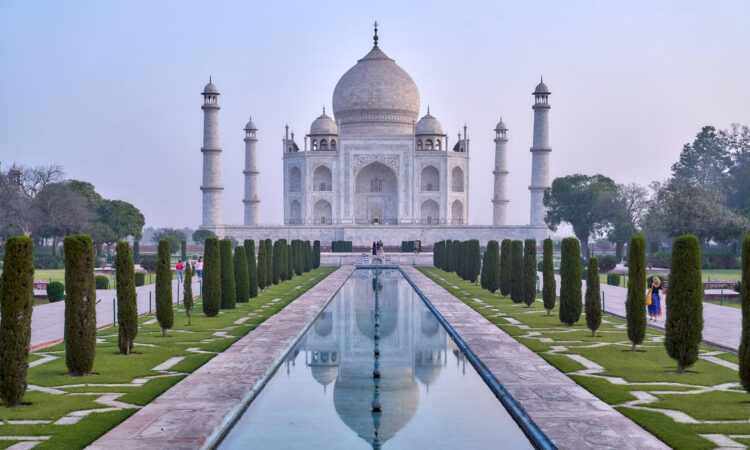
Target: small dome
542 88
501 126
428 125
324 124
250 125
210 88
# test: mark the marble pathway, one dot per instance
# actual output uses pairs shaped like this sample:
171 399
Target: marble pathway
47 321
722 325
568 414
194 412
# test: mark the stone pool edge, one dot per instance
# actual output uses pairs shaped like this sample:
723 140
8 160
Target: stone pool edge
191 414
568 414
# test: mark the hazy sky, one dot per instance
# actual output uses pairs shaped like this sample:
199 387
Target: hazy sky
111 90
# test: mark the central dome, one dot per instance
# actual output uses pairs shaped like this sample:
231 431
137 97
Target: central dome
376 90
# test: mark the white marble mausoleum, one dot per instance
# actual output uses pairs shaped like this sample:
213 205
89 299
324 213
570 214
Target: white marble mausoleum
375 169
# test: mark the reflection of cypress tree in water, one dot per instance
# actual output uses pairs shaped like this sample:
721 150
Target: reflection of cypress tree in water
376 407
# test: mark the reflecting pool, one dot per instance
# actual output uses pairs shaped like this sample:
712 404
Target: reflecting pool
327 395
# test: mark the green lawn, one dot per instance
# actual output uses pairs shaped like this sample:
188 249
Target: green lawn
713 274
59 275
124 375
710 393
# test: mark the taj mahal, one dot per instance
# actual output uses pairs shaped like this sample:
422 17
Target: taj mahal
375 170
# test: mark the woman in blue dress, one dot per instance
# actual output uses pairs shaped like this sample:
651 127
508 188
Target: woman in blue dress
654 309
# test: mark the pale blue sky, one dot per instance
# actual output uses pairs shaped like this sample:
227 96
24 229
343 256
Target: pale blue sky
111 90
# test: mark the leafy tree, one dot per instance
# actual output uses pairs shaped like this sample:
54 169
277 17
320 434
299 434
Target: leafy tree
593 297
187 298
80 304
127 304
58 211
316 254
164 312
122 217
684 324
241 281
228 288
262 262
505 275
704 162
628 210
635 303
516 271
16 293
549 286
582 201
212 277
744 350
199 236
251 268
101 234
492 267
570 281
529 272
172 235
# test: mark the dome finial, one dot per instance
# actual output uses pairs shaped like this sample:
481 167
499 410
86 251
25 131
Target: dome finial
324 109
375 38
210 79
428 109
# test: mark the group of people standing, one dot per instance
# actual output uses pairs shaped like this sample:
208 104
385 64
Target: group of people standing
182 265
377 248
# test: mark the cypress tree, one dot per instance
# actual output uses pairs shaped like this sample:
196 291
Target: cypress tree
16 293
529 272
483 274
283 263
635 304
289 262
308 256
474 262
744 350
492 264
570 281
183 251
458 258
593 297
211 277
448 256
269 262
549 288
241 282
80 304
316 254
187 296
228 287
505 267
136 252
127 306
277 260
164 312
251 267
436 254
516 271
297 255
262 260
684 325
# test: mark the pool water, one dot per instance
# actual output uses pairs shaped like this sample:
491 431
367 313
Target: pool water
324 395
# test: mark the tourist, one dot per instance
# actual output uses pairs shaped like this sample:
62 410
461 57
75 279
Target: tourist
180 267
654 305
374 248
199 268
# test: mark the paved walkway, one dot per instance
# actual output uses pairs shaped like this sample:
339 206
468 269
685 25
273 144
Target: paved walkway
48 321
567 413
722 325
196 411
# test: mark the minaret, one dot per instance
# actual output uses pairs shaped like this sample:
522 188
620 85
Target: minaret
211 187
251 175
500 199
540 154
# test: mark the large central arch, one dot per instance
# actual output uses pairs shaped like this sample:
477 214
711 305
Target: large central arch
376 195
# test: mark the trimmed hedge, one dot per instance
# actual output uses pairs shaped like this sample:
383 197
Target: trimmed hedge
570 281
529 272
228 287
340 247
16 307
140 279
516 271
55 291
102 282
252 270
744 290
164 311
316 254
607 263
549 284
635 303
593 297
127 300
211 277
684 325
505 276
613 279
241 281
80 304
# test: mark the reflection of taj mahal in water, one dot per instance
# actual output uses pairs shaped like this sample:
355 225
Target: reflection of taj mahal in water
339 353
374 170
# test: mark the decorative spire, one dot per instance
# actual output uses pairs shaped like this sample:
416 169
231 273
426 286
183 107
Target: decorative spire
375 38
428 109
324 110
209 79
